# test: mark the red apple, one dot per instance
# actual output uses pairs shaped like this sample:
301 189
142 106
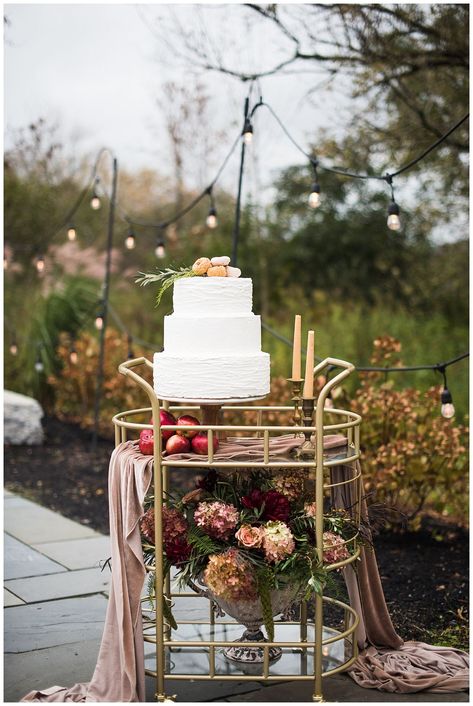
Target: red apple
200 444
146 443
178 445
187 420
165 417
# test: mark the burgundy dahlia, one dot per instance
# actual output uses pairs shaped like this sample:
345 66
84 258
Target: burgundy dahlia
177 551
208 482
276 505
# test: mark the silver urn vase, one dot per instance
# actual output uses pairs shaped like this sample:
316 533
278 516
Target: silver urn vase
250 614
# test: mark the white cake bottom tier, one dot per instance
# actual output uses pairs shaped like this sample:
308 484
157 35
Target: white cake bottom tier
220 378
199 335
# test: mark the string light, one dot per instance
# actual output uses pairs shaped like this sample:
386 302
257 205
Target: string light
314 196
393 221
247 132
40 264
13 347
99 319
160 250
130 354
211 219
130 240
95 200
71 233
73 356
447 408
39 366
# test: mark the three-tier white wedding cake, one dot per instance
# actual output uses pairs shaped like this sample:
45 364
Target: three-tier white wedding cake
212 343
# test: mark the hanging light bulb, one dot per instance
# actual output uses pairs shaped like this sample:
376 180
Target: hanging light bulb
329 402
40 264
447 409
71 233
130 354
38 366
394 222
130 240
73 356
160 250
247 132
211 219
99 322
95 200
314 196
13 347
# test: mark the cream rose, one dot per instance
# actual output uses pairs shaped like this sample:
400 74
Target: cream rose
250 537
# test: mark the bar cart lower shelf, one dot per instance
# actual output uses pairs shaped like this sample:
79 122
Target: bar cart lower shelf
205 663
194 650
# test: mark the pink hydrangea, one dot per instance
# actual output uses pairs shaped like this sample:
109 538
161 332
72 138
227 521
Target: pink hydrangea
230 577
335 549
278 541
290 483
174 524
216 518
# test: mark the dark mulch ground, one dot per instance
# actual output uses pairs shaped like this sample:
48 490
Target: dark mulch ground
425 574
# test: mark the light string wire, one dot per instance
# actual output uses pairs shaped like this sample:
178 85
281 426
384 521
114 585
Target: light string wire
352 175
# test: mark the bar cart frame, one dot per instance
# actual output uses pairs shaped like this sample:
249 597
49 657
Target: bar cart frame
318 467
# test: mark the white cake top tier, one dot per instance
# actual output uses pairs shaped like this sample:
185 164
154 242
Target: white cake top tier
213 296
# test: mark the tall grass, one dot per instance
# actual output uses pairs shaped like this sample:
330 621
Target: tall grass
348 331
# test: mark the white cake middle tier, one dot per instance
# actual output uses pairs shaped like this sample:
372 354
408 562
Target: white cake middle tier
212 335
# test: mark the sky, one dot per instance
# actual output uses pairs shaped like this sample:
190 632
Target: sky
97 72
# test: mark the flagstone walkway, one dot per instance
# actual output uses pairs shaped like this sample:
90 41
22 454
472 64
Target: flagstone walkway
55 598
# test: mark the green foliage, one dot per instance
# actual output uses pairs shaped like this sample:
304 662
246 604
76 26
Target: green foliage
413 459
165 279
64 311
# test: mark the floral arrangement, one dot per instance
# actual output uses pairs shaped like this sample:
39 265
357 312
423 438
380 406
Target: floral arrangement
246 534
203 267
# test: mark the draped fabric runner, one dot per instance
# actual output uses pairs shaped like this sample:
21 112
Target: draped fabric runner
385 663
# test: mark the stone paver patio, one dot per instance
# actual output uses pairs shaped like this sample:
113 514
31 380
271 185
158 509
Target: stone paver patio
55 598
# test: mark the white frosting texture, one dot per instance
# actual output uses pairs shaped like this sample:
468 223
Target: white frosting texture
211 377
212 343
201 335
213 296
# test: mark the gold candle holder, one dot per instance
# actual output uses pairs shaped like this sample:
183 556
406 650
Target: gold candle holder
296 399
307 449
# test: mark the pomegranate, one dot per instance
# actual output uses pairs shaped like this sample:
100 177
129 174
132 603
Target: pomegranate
146 442
200 444
165 417
187 420
178 445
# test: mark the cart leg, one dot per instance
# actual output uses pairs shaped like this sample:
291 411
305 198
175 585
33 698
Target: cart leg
318 637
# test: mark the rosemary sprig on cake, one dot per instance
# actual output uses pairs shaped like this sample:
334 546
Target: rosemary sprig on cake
203 267
164 278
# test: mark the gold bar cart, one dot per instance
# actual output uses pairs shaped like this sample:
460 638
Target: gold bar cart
310 650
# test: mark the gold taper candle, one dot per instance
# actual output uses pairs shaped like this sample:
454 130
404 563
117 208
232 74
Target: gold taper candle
296 349
309 367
